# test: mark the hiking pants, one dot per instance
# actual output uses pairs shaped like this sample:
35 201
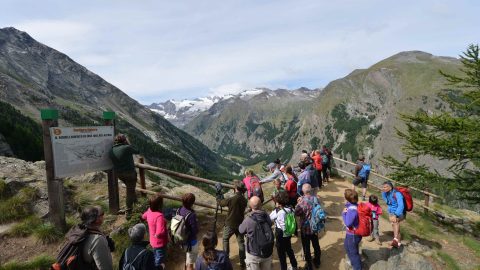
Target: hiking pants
227 233
351 247
324 172
258 263
375 231
130 180
284 248
306 239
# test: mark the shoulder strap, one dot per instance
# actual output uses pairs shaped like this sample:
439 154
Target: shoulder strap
138 255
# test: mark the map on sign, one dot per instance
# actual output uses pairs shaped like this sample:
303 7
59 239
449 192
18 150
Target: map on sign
78 150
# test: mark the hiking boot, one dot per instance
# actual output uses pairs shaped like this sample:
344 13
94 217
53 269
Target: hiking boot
370 239
377 241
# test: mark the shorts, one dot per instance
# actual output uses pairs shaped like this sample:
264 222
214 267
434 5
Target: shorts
400 218
192 255
357 181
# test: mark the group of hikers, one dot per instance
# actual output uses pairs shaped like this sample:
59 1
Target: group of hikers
298 212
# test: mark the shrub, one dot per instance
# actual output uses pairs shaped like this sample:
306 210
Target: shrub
42 262
47 233
18 206
26 227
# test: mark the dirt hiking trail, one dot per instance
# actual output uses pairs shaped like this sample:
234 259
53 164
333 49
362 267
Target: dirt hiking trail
331 241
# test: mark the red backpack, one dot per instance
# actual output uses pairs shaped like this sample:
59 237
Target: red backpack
255 188
407 197
365 220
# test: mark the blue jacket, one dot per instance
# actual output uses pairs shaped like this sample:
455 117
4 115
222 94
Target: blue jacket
395 207
350 218
303 178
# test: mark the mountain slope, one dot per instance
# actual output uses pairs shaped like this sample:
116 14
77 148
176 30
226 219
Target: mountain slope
355 115
34 76
254 126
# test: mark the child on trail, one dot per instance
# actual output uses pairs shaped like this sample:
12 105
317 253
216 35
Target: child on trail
282 237
277 188
157 228
351 221
376 212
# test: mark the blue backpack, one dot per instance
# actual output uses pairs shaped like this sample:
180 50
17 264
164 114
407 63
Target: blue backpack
365 171
317 217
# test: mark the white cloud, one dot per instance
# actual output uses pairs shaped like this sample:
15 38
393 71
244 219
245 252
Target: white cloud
231 88
178 49
62 35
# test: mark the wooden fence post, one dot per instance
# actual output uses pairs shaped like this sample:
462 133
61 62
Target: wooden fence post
427 202
113 194
141 172
56 200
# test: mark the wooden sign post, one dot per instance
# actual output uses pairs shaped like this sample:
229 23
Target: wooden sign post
56 200
113 194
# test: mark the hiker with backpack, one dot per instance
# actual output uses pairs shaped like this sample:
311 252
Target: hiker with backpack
157 228
236 209
310 225
397 209
326 163
121 155
253 185
362 172
317 167
257 227
211 258
87 247
184 229
291 186
376 212
285 226
137 256
351 220
305 177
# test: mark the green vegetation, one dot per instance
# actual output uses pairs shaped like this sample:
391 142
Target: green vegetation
22 133
450 262
352 126
25 227
47 233
473 244
3 187
423 226
18 206
451 136
42 262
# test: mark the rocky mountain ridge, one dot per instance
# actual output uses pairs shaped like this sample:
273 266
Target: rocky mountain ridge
180 113
35 76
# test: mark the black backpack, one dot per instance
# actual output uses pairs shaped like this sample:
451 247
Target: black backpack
70 256
262 240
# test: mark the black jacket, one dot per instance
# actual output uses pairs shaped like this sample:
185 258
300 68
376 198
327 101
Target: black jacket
146 261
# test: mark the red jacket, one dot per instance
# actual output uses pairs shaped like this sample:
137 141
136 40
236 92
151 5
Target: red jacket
291 187
317 162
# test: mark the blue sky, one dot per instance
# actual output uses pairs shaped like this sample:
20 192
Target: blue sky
157 50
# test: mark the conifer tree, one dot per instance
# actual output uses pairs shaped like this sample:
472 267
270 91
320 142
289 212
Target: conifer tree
452 135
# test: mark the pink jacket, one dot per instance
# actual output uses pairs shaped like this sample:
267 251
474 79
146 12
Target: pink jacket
157 228
375 208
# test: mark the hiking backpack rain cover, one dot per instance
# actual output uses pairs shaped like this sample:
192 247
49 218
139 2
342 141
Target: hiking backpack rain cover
263 239
407 198
365 220
178 228
70 256
255 188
